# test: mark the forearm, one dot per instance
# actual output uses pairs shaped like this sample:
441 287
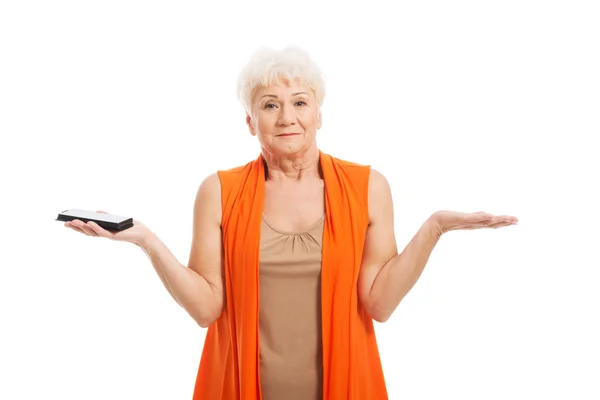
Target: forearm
189 289
399 275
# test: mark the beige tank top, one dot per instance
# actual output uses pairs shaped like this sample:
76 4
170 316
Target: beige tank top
291 358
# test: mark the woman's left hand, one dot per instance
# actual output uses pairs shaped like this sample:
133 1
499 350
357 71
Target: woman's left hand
446 221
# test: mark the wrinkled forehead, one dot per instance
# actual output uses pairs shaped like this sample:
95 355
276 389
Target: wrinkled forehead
282 87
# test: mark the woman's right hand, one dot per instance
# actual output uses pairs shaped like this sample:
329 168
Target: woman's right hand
136 234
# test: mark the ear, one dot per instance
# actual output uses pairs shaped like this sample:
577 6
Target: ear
250 125
319 120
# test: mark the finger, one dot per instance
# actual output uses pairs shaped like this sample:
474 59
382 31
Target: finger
502 221
500 224
508 219
74 224
74 228
494 220
97 229
477 217
85 228
493 223
505 217
88 228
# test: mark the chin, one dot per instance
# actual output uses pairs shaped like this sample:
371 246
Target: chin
290 150
298 145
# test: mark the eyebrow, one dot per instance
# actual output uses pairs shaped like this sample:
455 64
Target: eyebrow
293 94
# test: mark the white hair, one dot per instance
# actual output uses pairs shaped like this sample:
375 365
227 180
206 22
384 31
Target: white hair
267 66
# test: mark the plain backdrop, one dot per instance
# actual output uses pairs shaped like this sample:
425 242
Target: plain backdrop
126 106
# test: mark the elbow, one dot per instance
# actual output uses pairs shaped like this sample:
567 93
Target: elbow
206 321
205 317
381 317
378 312
204 324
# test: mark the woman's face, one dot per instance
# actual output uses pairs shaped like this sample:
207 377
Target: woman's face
285 118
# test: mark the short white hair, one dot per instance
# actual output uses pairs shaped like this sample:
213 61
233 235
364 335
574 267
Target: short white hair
267 66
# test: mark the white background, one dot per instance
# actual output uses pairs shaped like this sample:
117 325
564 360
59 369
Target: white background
126 106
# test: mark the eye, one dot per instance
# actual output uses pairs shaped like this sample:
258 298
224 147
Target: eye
303 102
268 105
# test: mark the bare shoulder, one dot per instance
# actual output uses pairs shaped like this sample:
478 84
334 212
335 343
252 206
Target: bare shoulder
208 198
211 184
380 196
377 181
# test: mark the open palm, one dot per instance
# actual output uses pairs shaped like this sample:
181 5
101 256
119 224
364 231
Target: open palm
454 220
135 234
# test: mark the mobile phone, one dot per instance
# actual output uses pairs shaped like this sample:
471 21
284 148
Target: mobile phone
109 222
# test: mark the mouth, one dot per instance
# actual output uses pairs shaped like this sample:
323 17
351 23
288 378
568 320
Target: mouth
288 134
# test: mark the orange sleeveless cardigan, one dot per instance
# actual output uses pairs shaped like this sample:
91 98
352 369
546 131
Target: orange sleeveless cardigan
229 366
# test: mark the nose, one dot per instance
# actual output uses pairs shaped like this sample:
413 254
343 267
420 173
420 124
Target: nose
287 115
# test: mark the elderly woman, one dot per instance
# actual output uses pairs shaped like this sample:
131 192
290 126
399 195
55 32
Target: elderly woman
293 254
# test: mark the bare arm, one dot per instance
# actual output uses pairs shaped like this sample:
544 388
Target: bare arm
386 276
198 288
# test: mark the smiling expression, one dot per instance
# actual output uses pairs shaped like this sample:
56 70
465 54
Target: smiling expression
285 117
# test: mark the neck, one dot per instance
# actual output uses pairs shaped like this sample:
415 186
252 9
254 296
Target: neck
292 167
